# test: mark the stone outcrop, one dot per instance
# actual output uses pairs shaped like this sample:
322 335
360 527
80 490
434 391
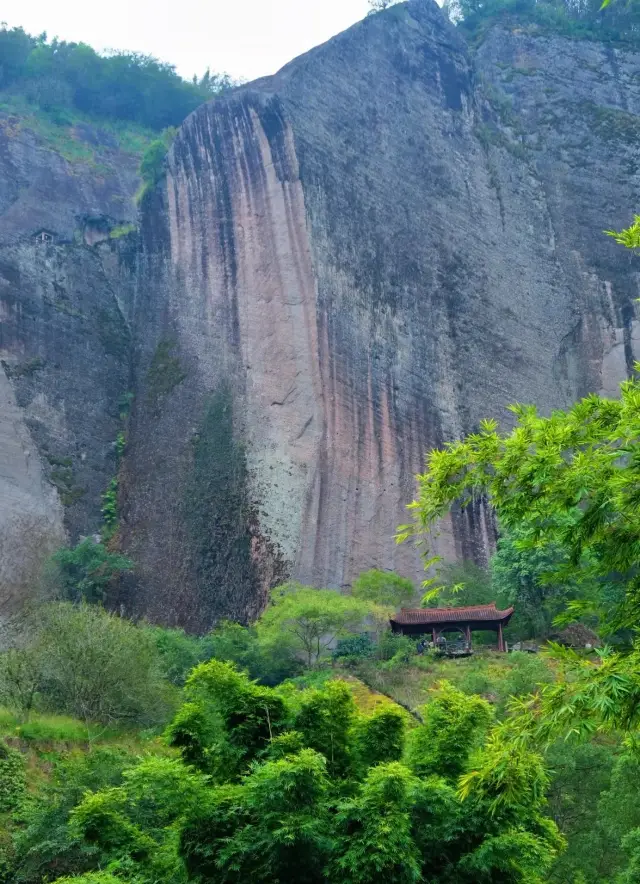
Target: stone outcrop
347 264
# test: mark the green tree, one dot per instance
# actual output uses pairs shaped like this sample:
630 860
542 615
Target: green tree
312 618
375 841
87 570
566 480
230 720
324 721
383 588
119 85
97 666
380 737
526 578
179 652
275 827
454 725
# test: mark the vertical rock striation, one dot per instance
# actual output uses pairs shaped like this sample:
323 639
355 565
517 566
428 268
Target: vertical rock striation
372 250
348 263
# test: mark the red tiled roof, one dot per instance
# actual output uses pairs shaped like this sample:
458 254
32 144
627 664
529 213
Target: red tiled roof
450 615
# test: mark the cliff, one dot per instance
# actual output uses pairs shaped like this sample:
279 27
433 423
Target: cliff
65 337
347 264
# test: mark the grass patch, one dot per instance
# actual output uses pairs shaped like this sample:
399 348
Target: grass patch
62 132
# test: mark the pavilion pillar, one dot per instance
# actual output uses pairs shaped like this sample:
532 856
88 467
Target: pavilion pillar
435 636
468 633
500 638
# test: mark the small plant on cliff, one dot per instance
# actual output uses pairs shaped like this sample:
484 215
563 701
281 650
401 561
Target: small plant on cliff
88 569
152 165
165 372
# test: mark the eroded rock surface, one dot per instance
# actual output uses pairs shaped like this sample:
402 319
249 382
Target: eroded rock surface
65 345
348 264
373 250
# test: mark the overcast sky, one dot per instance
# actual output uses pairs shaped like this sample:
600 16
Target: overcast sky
245 38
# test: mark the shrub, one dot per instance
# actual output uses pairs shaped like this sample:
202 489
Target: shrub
12 778
97 666
395 646
179 652
454 725
354 647
324 720
88 569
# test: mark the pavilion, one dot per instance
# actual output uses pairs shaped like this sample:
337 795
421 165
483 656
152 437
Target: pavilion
436 621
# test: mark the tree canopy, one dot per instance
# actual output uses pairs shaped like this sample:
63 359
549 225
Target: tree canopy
63 76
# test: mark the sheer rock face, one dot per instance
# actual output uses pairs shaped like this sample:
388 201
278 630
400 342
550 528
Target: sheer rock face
349 263
65 346
374 249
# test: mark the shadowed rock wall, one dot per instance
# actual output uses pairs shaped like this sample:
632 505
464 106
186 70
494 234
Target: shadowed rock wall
65 343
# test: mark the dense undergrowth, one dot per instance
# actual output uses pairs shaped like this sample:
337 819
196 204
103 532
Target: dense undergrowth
304 780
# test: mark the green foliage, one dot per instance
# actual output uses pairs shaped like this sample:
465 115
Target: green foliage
507 776
45 847
393 646
324 720
313 618
87 570
274 827
454 724
110 508
463 583
383 588
179 652
375 838
319 794
523 576
66 77
581 775
630 236
587 20
515 855
90 878
93 665
20 677
565 480
12 778
267 656
165 372
229 720
353 647
380 737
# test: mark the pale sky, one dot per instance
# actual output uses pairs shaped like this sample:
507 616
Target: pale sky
245 38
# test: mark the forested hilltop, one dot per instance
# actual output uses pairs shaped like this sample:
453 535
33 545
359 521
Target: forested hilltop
586 19
66 78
